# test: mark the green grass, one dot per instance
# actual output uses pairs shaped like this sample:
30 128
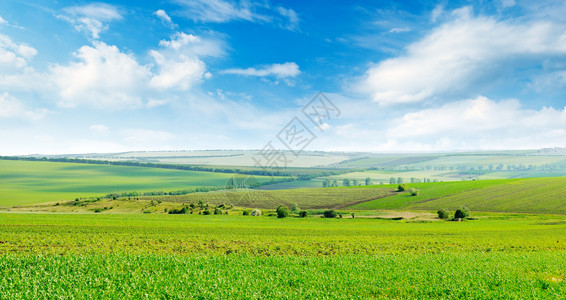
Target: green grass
498 256
532 195
27 182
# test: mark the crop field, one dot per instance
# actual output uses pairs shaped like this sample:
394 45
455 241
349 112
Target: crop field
27 182
308 198
532 195
190 256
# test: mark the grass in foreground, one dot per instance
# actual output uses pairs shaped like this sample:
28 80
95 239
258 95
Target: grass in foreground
498 256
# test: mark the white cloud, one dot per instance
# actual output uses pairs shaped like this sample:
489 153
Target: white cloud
3 21
162 15
458 54
91 18
104 77
15 72
436 13
219 10
11 107
145 137
288 69
179 61
480 123
399 30
291 15
99 128
222 11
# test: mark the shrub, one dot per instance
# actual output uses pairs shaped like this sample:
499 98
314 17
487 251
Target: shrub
217 211
330 213
303 213
256 212
462 213
97 210
181 211
295 207
246 213
402 188
147 211
282 211
413 192
443 214
206 212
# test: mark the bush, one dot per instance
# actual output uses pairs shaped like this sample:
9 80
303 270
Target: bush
462 213
256 212
206 212
330 214
295 207
97 210
443 214
303 213
414 192
246 213
181 211
282 211
217 211
402 188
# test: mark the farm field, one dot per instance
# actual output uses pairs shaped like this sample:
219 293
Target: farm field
28 182
498 256
534 195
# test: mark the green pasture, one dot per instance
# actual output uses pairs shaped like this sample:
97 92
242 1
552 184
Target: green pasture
496 256
27 182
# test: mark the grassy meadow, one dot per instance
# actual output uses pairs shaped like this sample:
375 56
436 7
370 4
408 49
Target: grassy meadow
28 182
193 256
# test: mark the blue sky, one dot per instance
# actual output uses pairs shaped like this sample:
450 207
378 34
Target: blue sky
81 76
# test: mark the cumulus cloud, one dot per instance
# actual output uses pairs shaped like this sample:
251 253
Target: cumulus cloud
91 18
103 77
179 61
11 107
480 123
288 69
15 71
3 21
458 54
164 17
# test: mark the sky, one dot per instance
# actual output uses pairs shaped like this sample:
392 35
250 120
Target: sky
396 76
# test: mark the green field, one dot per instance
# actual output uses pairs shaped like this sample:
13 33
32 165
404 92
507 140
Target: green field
192 256
27 182
534 195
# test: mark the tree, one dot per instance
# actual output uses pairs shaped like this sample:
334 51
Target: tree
326 183
462 213
443 214
256 213
282 211
368 181
303 213
346 182
392 180
334 183
401 188
399 180
354 182
330 214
